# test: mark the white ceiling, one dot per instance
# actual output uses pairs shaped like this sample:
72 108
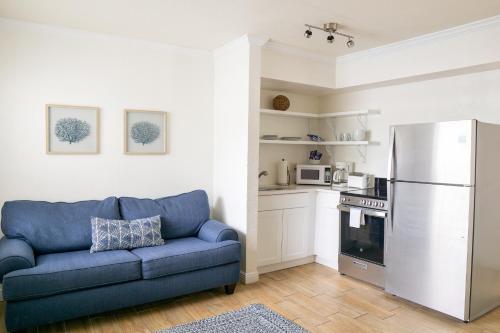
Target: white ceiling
208 24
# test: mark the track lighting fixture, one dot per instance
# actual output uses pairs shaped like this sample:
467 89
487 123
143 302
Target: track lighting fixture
308 33
331 28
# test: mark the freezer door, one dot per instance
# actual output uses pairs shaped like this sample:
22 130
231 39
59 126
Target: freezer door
434 153
428 247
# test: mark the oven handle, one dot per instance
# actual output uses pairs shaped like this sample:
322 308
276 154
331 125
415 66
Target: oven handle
368 212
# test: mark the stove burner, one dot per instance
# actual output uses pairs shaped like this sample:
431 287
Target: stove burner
375 198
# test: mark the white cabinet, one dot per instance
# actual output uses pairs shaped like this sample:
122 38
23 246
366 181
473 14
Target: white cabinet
327 228
269 233
285 228
297 227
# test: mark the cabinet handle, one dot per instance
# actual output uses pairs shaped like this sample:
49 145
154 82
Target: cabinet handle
360 265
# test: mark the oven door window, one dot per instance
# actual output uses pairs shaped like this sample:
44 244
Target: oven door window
365 242
309 174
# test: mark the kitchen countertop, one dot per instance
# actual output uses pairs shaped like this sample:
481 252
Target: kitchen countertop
301 188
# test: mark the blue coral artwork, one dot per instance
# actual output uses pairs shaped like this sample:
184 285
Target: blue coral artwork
72 129
145 132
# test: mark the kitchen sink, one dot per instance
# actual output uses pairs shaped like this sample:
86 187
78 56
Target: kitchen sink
272 188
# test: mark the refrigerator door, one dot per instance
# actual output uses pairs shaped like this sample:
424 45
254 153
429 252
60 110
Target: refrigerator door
428 246
434 153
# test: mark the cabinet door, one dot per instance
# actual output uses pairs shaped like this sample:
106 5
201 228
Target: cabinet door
270 236
296 233
326 240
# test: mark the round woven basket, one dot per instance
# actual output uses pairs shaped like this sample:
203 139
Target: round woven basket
281 103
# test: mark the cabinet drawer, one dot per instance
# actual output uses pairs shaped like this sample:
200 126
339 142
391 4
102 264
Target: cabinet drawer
283 201
330 200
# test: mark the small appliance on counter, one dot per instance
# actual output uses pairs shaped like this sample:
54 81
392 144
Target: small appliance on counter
360 180
283 173
308 174
342 171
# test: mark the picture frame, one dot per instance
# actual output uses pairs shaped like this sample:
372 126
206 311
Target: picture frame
72 129
145 132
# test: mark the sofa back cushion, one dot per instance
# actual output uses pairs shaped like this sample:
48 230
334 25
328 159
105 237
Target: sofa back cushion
55 227
181 215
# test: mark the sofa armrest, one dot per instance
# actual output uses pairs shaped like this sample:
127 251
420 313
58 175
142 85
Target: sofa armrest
15 254
215 231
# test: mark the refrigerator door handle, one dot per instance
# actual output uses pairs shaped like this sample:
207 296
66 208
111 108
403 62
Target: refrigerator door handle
390 177
392 148
390 201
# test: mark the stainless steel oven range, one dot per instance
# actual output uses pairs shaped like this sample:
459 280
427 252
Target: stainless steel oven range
363 218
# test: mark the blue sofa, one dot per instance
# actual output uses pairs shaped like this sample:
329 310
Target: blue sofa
49 274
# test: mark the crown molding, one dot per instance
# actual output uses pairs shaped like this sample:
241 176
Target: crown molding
247 39
42 27
443 34
257 40
298 52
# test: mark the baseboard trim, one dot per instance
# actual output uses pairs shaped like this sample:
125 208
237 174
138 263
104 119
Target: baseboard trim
332 263
248 278
285 265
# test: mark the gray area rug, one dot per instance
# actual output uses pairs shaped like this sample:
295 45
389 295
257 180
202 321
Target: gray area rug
255 318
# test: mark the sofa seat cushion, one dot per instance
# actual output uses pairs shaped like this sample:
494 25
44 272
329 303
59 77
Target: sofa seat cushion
63 272
185 255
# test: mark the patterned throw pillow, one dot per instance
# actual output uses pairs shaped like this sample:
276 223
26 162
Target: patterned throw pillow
123 234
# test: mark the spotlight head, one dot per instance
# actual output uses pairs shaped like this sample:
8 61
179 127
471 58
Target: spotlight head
350 43
308 33
330 39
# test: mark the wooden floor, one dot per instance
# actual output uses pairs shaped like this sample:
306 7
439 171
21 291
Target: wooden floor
315 297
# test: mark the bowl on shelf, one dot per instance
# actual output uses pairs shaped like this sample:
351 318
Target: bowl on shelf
281 103
315 162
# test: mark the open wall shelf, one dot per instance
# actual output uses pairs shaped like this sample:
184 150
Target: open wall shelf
319 143
343 114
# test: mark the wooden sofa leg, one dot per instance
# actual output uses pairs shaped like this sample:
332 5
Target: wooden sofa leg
229 288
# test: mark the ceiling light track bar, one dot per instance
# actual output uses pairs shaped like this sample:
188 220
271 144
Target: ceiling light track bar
328 31
331 29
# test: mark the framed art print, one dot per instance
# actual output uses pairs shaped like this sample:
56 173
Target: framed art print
72 129
145 132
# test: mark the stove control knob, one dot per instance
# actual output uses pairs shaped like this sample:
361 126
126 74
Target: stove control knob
370 203
363 201
342 199
382 204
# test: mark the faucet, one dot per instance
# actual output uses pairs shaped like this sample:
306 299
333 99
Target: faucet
263 173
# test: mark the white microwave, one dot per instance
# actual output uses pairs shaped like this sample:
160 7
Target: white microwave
309 174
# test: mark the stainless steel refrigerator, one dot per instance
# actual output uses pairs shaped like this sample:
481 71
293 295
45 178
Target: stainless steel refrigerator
443 226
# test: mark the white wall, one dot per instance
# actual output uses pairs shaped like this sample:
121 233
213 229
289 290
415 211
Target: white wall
472 96
41 64
236 146
281 62
469 45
